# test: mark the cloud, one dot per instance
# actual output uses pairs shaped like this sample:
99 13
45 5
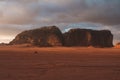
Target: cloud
58 11
16 14
9 31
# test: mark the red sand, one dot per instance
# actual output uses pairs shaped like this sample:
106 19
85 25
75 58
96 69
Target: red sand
60 63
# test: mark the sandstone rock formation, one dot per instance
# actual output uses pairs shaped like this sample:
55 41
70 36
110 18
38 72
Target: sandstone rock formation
52 36
77 37
87 37
45 36
103 38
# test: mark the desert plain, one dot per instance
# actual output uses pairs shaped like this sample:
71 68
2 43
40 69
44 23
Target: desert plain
59 63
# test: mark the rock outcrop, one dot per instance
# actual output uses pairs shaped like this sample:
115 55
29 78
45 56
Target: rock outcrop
52 36
87 37
103 38
45 36
77 37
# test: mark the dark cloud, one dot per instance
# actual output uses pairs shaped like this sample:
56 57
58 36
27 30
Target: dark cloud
101 14
34 11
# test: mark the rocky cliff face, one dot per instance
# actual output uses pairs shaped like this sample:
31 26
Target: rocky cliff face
45 36
103 38
87 37
52 36
77 37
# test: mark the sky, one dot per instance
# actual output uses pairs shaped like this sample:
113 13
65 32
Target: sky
20 15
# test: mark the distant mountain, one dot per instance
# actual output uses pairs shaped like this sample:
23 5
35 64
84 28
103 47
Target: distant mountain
52 36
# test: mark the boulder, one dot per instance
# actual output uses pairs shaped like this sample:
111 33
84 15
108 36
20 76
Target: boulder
45 36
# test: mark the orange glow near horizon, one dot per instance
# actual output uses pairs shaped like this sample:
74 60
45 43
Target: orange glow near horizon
6 39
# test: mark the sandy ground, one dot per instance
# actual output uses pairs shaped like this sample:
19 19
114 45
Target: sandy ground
20 63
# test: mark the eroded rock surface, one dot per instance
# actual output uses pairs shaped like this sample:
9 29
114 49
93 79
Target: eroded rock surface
45 36
52 36
87 37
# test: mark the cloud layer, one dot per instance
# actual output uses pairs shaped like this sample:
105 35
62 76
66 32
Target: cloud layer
18 15
56 11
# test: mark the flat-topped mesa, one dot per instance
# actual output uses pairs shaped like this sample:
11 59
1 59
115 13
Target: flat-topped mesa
45 36
52 36
88 37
